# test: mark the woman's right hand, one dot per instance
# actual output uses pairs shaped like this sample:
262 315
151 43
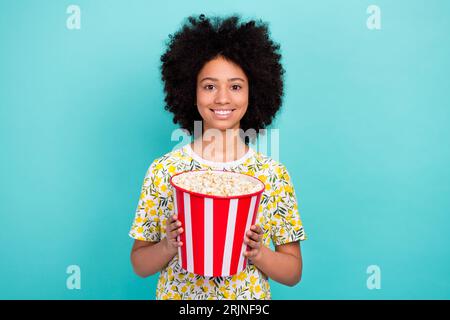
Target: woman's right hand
173 230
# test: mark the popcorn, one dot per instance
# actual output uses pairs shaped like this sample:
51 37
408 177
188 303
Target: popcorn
217 183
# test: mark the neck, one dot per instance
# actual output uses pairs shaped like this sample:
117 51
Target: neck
220 145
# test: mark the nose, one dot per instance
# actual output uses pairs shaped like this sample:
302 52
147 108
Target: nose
222 96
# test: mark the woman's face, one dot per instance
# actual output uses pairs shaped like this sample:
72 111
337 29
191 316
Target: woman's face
222 94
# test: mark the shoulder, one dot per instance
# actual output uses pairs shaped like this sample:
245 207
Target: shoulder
269 165
169 163
171 157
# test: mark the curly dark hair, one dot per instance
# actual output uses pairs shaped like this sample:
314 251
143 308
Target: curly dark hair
247 44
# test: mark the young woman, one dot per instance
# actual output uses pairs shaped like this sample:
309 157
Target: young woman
227 75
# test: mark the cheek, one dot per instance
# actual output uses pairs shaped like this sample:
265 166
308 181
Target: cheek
203 98
242 102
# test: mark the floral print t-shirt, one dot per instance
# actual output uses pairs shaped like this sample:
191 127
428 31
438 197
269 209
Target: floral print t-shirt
278 216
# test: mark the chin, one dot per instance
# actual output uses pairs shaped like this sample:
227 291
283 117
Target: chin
222 125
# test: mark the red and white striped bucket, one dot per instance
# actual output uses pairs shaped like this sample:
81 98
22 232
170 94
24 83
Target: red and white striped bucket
214 229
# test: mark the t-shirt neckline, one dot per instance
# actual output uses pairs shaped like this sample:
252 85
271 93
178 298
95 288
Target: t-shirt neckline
199 159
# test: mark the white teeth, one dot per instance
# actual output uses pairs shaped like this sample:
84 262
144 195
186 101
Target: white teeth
223 112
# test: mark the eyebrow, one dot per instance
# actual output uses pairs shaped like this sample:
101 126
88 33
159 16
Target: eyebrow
215 79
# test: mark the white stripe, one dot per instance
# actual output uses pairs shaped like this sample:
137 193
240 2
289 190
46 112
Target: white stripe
178 237
249 222
208 262
229 237
187 221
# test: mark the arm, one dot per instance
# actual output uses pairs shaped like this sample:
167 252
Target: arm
283 265
149 258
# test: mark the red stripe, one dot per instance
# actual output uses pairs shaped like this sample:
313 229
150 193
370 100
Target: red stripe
220 209
239 232
255 213
198 232
180 207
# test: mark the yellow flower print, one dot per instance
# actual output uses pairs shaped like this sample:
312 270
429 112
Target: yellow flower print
139 219
153 212
172 169
288 189
149 204
258 288
268 187
140 230
242 276
265 166
159 166
278 171
252 280
177 296
199 282
164 188
250 172
157 181
184 289
233 296
234 278
263 178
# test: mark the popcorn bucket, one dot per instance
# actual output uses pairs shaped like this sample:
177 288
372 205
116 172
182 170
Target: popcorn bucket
214 228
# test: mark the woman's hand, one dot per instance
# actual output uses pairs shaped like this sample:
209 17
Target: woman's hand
173 230
253 239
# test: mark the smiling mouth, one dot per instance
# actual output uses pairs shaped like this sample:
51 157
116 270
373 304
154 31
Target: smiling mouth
222 112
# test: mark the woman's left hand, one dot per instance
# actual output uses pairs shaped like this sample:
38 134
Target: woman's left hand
253 239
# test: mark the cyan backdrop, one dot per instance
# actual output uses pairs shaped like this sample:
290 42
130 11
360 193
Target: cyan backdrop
364 133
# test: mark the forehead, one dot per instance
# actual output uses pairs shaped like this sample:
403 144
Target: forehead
221 69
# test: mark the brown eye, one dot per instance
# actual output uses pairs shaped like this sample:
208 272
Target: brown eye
209 87
236 87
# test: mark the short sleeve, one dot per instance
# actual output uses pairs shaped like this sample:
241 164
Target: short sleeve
146 223
286 223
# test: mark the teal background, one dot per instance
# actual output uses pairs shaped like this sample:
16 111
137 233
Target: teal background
364 133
